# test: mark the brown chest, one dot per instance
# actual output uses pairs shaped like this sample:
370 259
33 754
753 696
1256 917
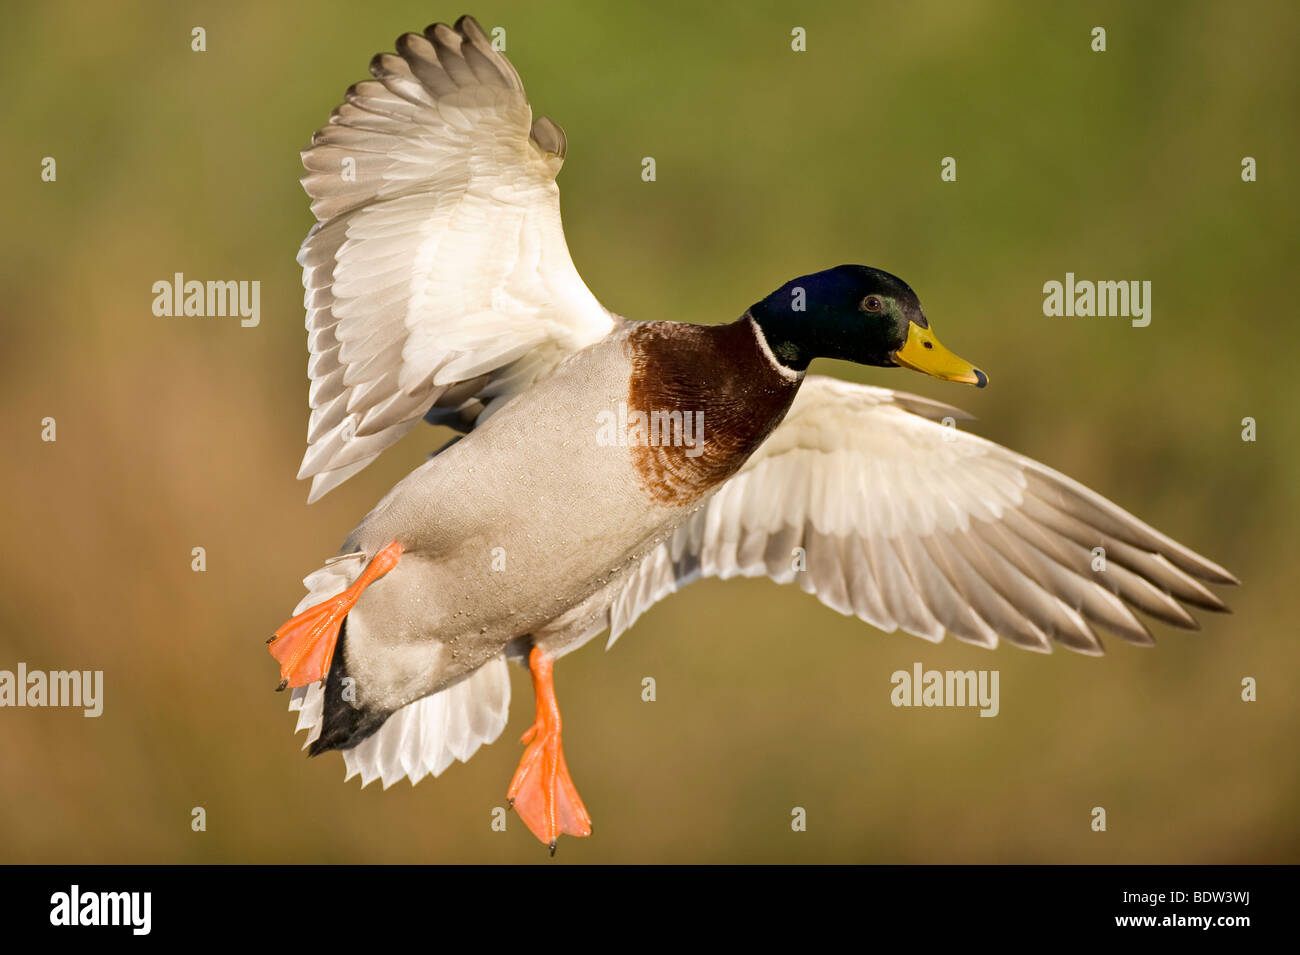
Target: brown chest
700 400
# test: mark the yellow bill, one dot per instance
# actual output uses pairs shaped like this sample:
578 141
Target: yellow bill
922 352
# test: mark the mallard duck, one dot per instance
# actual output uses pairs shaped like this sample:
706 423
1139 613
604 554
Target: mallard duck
603 463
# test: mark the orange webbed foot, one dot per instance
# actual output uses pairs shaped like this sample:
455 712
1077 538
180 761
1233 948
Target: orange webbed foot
542 791
305 644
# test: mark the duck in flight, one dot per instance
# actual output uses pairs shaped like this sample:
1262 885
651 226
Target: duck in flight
439 288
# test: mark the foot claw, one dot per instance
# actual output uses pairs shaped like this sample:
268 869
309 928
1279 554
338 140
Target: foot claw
283 684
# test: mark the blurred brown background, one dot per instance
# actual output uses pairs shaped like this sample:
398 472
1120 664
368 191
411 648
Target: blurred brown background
183 432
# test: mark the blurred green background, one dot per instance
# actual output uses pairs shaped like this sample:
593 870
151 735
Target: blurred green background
177 433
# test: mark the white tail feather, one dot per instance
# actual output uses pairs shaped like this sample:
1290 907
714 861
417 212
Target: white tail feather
422 738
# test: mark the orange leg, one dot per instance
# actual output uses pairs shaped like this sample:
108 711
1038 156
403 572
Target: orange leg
542 790
305 645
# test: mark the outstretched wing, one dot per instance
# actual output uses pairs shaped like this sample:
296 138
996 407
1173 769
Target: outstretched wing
912 525
437 276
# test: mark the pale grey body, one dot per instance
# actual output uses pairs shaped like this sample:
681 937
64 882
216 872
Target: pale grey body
517 529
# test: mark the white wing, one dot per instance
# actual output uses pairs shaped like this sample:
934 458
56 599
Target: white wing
910 524
437 272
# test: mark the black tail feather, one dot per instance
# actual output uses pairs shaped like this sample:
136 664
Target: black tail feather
344 721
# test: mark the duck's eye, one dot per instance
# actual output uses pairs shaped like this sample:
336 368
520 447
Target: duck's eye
872 303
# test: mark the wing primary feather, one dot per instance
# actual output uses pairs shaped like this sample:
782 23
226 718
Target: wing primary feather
438 256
